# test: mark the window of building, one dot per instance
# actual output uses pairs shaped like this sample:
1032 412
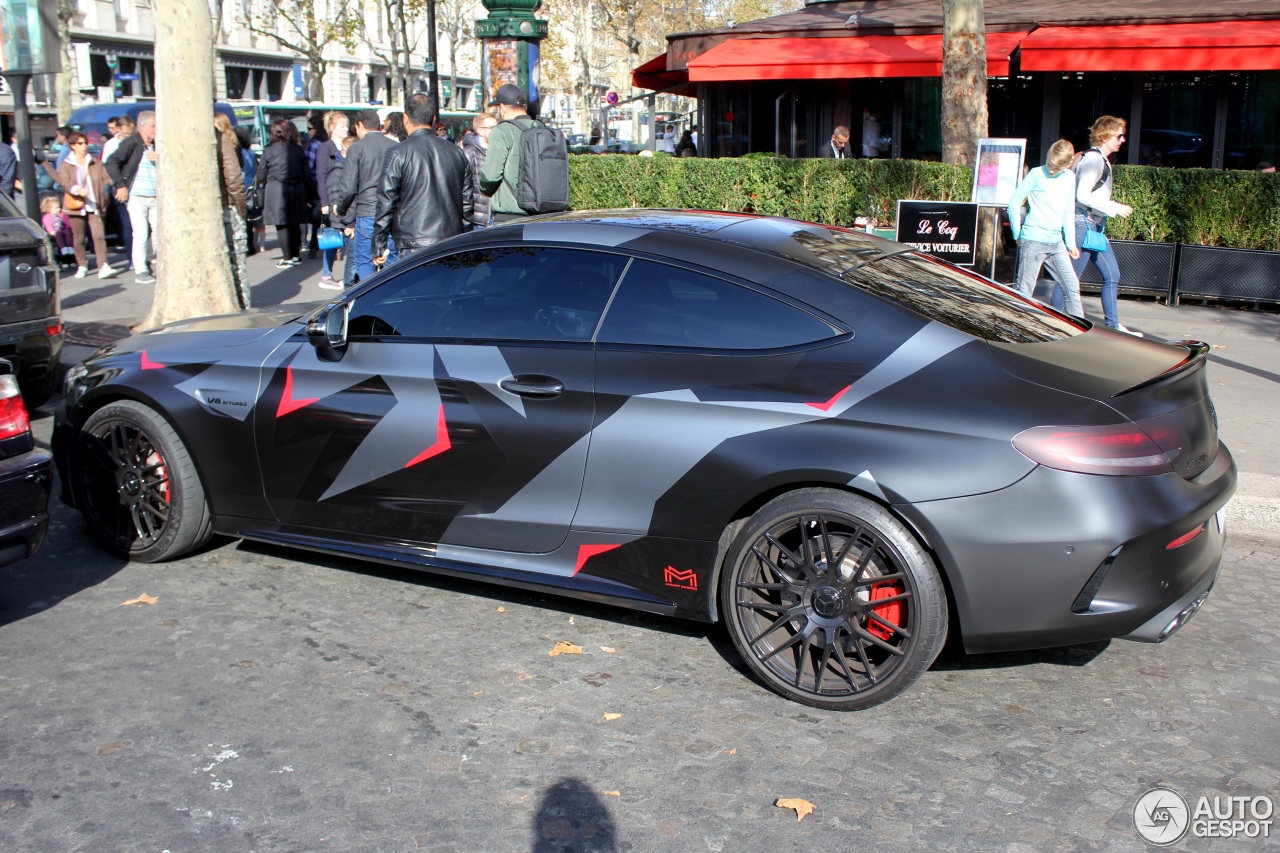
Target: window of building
1253 119
668 306
1178 113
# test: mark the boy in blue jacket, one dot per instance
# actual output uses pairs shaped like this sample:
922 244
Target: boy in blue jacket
1048 234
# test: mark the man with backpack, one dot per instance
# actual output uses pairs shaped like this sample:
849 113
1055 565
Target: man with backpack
526 170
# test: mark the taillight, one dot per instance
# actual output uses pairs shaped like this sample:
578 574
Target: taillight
1110 449
13 414
51 331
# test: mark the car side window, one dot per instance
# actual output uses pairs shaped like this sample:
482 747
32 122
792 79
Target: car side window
663 305
522 293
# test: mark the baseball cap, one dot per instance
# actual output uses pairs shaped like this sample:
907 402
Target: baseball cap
511 95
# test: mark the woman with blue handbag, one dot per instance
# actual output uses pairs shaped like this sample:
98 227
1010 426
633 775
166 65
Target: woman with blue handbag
1093 206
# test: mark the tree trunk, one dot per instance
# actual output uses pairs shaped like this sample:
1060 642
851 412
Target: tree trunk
964 80
66 9
193 270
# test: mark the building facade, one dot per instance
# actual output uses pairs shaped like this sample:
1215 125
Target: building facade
1198 83
112 58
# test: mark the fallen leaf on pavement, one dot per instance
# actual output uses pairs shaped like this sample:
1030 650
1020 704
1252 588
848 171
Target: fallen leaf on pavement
802 807
563 648
142 599
612 793
611 716
733 751
524 678
607 650
502 610
478 693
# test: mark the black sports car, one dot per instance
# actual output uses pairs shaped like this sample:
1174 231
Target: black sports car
26 476
835 444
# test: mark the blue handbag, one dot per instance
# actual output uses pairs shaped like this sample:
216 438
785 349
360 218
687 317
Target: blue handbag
1094 241
329 238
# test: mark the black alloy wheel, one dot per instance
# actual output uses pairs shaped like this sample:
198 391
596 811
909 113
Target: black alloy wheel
831 601
137 486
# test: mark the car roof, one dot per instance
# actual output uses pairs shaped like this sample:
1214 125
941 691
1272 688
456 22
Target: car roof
686 234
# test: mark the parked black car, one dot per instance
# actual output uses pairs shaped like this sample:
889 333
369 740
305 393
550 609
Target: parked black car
835 444
30 314
26 476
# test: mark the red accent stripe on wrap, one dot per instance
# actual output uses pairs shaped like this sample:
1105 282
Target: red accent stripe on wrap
442 442
586 552
148 364
826 407
287 403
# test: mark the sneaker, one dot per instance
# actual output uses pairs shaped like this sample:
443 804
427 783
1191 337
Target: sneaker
328 283
144 278
283 264
1127 331
108 272
82 272
294 262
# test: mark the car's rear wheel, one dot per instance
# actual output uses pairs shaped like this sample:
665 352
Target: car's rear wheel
831 601
137 486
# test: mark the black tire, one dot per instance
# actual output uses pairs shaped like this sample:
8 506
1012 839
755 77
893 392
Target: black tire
842 640
137 486
36 392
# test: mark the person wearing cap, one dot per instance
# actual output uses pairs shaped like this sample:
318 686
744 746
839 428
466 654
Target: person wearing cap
501 173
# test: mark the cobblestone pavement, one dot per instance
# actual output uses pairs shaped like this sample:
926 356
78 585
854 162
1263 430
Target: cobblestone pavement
270 700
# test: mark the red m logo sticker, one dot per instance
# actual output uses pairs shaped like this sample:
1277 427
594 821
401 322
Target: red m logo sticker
680 578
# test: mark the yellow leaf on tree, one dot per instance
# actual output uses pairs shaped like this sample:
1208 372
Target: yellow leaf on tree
802 807
563 648
608 717
142 599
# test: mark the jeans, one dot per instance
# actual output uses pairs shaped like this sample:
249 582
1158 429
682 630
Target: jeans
1032 256
126 227
237 235
348 262
1106 262
364 247
142 216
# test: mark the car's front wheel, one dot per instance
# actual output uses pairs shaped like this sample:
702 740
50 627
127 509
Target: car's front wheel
831 601
137 486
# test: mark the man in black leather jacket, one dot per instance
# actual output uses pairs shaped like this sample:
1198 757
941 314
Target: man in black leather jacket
425 193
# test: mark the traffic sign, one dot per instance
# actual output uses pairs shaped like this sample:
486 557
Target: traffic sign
611 98
126 76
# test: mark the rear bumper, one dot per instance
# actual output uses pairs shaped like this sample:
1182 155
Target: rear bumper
25 482
1061 558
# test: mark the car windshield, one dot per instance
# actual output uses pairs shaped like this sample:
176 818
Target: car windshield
960 299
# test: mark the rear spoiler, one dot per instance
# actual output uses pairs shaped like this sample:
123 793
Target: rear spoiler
1197 353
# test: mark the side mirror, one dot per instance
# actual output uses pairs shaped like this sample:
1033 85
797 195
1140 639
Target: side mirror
326 330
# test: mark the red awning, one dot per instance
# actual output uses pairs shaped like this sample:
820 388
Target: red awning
1220 46
654 75
838 58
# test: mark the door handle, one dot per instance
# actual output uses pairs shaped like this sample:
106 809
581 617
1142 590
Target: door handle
533 386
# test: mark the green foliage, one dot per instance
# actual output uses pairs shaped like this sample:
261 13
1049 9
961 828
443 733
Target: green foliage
1199 206
832 191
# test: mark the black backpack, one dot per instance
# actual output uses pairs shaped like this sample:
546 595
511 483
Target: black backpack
543 186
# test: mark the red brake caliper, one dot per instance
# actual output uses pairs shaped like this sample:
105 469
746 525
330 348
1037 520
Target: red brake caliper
154 459
893 612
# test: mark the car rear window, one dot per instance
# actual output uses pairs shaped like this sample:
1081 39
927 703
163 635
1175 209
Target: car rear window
960 299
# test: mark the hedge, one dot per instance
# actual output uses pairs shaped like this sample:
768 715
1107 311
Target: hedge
1200 206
